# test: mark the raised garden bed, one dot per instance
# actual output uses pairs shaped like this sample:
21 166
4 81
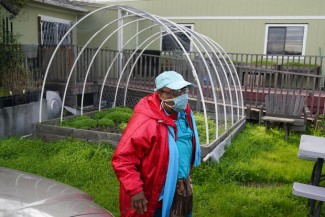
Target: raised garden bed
104 126
107 126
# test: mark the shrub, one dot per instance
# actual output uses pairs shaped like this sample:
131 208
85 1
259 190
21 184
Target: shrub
81 122
120 109
122 126
99 115
200 123
199 119
107 118
119 116
116 110
105 122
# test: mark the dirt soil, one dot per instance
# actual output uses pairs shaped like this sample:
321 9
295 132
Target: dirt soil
113 129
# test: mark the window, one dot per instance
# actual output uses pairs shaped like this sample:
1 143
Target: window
285 39
53 30
170 44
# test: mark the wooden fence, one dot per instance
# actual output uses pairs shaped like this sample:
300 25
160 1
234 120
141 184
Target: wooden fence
257 83
259 74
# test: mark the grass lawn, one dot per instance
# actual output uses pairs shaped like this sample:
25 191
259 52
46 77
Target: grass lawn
254 177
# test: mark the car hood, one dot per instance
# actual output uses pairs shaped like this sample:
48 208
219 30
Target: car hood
26 195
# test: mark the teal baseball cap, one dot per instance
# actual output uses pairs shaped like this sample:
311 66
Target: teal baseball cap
171 80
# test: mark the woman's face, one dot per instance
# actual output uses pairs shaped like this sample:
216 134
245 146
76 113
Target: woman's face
166 93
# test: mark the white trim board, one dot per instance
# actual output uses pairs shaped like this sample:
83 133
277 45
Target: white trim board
248 18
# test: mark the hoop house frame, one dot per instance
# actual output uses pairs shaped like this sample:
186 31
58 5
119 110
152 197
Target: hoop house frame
214 64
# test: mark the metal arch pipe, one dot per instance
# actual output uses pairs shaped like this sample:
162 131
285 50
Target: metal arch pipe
209 73
194 71
224 71
219 82
234 69
217 46
205 64
189 60
136 60
142 13
169 31
206 123
94 56
127 62
199 35
113 61
57 47
238 83
216 71
227 80
212 82
205 39
76 60
127 83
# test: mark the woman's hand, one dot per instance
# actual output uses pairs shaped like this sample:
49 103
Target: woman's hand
139 202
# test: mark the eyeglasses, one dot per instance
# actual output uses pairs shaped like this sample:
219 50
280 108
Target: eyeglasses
177 92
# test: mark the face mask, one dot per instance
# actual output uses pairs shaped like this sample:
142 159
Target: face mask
180 103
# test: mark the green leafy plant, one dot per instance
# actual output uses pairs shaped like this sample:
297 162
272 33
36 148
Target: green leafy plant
274 63
113 120
122 126
81 122
201 128
99 115
120 109
105 122
119 116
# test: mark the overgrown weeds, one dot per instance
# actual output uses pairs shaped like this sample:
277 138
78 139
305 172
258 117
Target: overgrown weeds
254 177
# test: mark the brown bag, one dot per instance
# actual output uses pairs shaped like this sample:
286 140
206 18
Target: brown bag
183 198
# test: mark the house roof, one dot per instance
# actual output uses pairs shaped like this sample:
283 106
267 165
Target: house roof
64 4
9 6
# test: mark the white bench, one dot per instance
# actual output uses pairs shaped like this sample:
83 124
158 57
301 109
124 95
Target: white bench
315 194
306 157
309 191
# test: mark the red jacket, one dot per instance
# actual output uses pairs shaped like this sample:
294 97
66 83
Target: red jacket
140 160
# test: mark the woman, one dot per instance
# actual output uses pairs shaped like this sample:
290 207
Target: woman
157 150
